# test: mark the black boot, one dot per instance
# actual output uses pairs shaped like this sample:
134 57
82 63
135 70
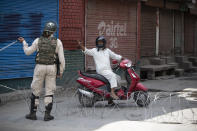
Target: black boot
31 116
33 109
110 102
47 116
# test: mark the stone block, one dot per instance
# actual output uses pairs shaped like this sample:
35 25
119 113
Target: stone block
180 59
179 72
157 61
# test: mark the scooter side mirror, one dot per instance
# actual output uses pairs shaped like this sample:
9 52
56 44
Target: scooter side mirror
114 61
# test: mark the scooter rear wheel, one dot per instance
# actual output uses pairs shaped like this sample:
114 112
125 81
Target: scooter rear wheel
141 98
85 101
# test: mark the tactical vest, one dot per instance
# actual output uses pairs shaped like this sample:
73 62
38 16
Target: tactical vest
46 51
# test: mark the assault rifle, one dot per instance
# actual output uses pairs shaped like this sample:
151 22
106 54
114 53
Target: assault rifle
57 62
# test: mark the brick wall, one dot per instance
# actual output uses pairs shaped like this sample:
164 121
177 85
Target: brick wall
71 28
71 22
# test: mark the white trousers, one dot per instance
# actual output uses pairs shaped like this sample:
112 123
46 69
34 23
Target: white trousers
111 77
44 74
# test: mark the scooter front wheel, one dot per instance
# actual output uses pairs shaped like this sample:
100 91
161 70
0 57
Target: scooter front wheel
85 101
141 98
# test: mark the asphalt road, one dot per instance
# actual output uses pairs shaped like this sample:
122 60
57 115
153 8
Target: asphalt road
173 107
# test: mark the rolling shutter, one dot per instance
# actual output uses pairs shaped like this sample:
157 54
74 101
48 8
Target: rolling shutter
166 32
116 20
148 31
22 18
189 34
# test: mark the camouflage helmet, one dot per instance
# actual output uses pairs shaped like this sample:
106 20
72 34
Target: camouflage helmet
50 26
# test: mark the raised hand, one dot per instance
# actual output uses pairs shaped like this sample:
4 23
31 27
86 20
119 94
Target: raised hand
80 45
21 39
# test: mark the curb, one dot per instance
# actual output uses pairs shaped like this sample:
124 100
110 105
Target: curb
25 94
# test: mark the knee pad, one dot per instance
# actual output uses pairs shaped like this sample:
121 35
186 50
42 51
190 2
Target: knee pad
48 99
34 99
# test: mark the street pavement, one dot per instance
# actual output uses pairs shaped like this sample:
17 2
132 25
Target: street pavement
173 107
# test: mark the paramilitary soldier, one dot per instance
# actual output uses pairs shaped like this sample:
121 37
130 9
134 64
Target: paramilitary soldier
48 49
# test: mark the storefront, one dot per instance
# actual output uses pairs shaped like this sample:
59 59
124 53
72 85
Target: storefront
27 19
148 31
189 39
166 32
116 20
178 32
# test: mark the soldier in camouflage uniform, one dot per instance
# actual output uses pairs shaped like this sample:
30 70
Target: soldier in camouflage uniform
49 49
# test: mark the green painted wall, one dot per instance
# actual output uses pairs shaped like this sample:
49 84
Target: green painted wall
15 84
74 62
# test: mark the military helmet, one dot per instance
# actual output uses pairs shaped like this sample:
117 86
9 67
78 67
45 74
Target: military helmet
50 27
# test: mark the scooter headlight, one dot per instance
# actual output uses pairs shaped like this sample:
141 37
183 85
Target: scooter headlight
128 64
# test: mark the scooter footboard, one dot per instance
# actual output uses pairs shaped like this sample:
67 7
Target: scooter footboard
140 87
86 93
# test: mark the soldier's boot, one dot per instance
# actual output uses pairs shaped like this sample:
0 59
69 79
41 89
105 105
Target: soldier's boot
33 108
47 115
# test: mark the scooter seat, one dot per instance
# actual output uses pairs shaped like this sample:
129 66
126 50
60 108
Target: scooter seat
98 77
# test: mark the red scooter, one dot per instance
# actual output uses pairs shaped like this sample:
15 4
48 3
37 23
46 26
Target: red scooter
95 87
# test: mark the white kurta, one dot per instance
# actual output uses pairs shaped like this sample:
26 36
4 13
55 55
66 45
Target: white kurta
45 73
102 63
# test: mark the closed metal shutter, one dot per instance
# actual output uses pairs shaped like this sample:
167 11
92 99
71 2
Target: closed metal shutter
148 31
189 34
195 39
178 33
116 20
22 18
165 32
